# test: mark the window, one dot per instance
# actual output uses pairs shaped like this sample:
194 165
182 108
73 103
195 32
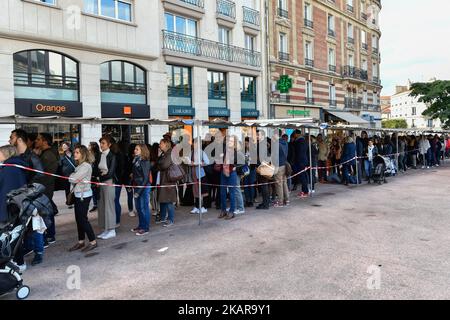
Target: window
350 5
308 11
331 28
309 89
179 85
351 60
332 95
181 25
350 33
123 82
283 9
249 42
374 42
217 89
116 9
332 58
363 37
284 50
375 98
413 111
308 50
41 74
224 35
375 69
365 98
364 65
248 92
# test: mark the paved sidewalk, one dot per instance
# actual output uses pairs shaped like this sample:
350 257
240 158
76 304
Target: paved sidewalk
319 248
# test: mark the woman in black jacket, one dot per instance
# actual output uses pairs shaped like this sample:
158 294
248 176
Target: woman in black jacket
95 151
141 175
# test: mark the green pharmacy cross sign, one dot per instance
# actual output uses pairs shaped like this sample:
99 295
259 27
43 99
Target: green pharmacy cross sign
284 84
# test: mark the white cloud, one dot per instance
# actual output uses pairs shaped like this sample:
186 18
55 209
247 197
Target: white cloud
415 41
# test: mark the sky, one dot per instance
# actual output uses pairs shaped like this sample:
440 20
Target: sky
415 42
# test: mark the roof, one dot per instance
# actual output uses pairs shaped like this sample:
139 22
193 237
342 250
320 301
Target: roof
348 117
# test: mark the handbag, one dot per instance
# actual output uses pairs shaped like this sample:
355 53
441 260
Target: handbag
175 173
288 169
266 170
70 200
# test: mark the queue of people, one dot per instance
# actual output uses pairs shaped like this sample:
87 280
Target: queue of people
233 178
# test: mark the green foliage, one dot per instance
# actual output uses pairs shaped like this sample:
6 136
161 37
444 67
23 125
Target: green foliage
395 124
437 96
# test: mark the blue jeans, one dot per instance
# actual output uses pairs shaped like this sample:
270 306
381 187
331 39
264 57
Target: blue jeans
130 199
167 206
368 166
346 172
238 196
143 209
35 242
226 182
249 192
51 228
117 204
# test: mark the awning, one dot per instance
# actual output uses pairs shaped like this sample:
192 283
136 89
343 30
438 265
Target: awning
349 117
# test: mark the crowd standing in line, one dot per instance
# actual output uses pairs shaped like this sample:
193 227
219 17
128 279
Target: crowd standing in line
232 179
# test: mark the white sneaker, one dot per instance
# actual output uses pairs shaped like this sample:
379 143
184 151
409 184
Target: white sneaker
423 167
428 167
195 210
204 210
101 235
239 211
437 165
110 234
132 214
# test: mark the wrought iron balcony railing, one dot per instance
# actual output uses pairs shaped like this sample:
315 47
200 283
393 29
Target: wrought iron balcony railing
376 80
283 56
283 13
309 23
181 43
354 73
226 8
351 40
197 3
333 103
365 106
251 16
309 62
350 8
352 103
332 68
281 99
365 46
375 50
331 33
309 100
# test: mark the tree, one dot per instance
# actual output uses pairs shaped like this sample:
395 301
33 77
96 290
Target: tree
395 124
437 95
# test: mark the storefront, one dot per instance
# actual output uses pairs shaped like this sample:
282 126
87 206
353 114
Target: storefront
124 95
46 83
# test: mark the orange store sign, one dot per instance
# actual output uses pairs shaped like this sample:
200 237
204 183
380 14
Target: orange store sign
43 108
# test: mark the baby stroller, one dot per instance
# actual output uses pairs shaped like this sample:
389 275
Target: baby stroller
379 170
22 205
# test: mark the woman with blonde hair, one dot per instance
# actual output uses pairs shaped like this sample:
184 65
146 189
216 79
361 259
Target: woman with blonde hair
82 191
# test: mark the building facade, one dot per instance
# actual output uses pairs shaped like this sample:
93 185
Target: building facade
403 106
324 59
386 107
129 59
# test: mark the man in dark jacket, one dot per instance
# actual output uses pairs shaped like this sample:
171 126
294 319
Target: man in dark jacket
50 163
301 161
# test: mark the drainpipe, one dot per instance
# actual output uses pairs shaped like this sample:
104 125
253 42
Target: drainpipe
267 51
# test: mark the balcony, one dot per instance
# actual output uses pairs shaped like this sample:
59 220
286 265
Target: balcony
365 46
376 80
351 40
331 33
251 16
375 50
309 23
283 56
281 99
283 13
364 16
309 63
333 103
226 8
375 108
354 73
352 103
365 106
331 68
198 47
309 100
197 3
350 8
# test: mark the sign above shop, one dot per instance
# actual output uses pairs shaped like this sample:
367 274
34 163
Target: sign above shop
303 113
181 111
249 113
121 110
284 84
36 108
218 112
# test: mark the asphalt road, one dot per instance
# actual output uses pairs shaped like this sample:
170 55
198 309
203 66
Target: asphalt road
318 248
